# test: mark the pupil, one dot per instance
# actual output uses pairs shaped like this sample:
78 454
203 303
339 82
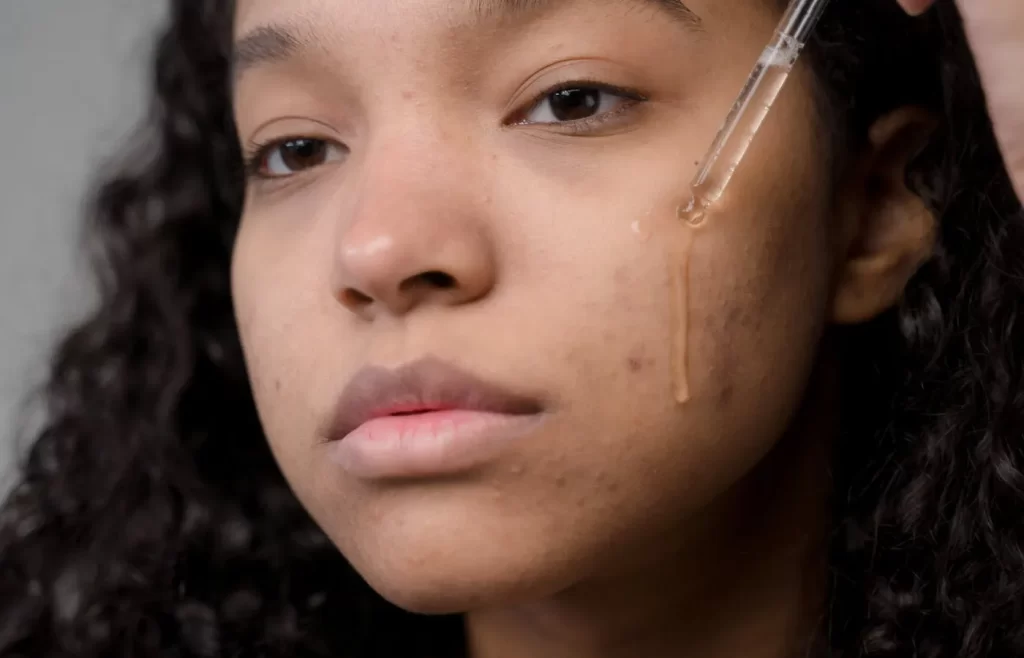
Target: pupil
575 104
303 153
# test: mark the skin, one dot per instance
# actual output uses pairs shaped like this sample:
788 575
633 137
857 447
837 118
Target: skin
994 29
623 525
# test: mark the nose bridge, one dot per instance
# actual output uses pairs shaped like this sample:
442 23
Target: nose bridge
415 234
412 158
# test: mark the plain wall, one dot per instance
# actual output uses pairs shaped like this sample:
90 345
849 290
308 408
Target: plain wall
71 87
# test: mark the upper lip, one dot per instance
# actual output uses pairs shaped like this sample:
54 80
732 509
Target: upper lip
425 385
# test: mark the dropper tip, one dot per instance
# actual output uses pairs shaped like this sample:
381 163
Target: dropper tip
693 212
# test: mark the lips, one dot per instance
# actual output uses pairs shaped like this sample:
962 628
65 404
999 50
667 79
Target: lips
427 386
425 420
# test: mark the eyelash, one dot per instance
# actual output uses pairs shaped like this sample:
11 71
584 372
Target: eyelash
580 126
260 151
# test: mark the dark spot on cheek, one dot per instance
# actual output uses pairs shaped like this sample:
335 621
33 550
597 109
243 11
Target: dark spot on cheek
277 384
638 361
560 482
725 395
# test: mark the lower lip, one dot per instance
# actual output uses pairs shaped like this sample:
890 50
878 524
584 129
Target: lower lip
427 444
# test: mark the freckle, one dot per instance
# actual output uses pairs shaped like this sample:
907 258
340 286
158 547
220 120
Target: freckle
277 384
635 364
560 482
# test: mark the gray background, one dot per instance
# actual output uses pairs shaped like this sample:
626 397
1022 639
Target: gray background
71 86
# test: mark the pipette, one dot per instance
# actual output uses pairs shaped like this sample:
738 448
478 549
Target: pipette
748 113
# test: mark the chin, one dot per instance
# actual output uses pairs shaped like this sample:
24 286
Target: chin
461 580
452 549
434 599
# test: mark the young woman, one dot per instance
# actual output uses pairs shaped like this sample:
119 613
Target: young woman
404 351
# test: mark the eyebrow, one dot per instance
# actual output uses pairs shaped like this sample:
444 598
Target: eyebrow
269 44
489 9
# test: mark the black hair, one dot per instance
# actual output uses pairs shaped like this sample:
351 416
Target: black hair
150 518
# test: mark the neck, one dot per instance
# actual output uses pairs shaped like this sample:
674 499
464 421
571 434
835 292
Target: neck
749 581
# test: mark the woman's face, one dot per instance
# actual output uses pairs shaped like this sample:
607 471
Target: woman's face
491 186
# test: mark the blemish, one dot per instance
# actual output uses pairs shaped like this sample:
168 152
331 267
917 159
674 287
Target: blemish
725 395
638 359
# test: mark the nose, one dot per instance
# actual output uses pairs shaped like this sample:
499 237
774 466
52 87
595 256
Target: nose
410 245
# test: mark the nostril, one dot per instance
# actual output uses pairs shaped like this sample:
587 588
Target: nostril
437 279
354 299
428 282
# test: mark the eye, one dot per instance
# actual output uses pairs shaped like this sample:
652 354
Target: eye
579 102
291 156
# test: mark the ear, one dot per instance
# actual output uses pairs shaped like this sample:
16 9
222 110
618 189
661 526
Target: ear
886 231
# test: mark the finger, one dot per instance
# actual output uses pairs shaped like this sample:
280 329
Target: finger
916 7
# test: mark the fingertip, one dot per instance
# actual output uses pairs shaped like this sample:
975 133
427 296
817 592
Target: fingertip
916 7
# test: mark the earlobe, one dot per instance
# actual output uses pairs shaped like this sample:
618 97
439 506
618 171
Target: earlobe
888 230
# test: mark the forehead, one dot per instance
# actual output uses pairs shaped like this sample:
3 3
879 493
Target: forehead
269 31
248 12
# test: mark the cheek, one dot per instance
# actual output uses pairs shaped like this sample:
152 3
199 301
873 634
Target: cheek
756 316
758 303
757 299
272 306
761 265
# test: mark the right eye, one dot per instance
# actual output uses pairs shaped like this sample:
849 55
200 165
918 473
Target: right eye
291 156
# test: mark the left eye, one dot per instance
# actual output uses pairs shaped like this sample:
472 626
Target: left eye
577 103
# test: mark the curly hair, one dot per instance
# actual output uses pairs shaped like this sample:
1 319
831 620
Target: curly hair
152 520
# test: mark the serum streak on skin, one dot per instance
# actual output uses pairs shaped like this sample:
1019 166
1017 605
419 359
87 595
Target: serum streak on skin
679 258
